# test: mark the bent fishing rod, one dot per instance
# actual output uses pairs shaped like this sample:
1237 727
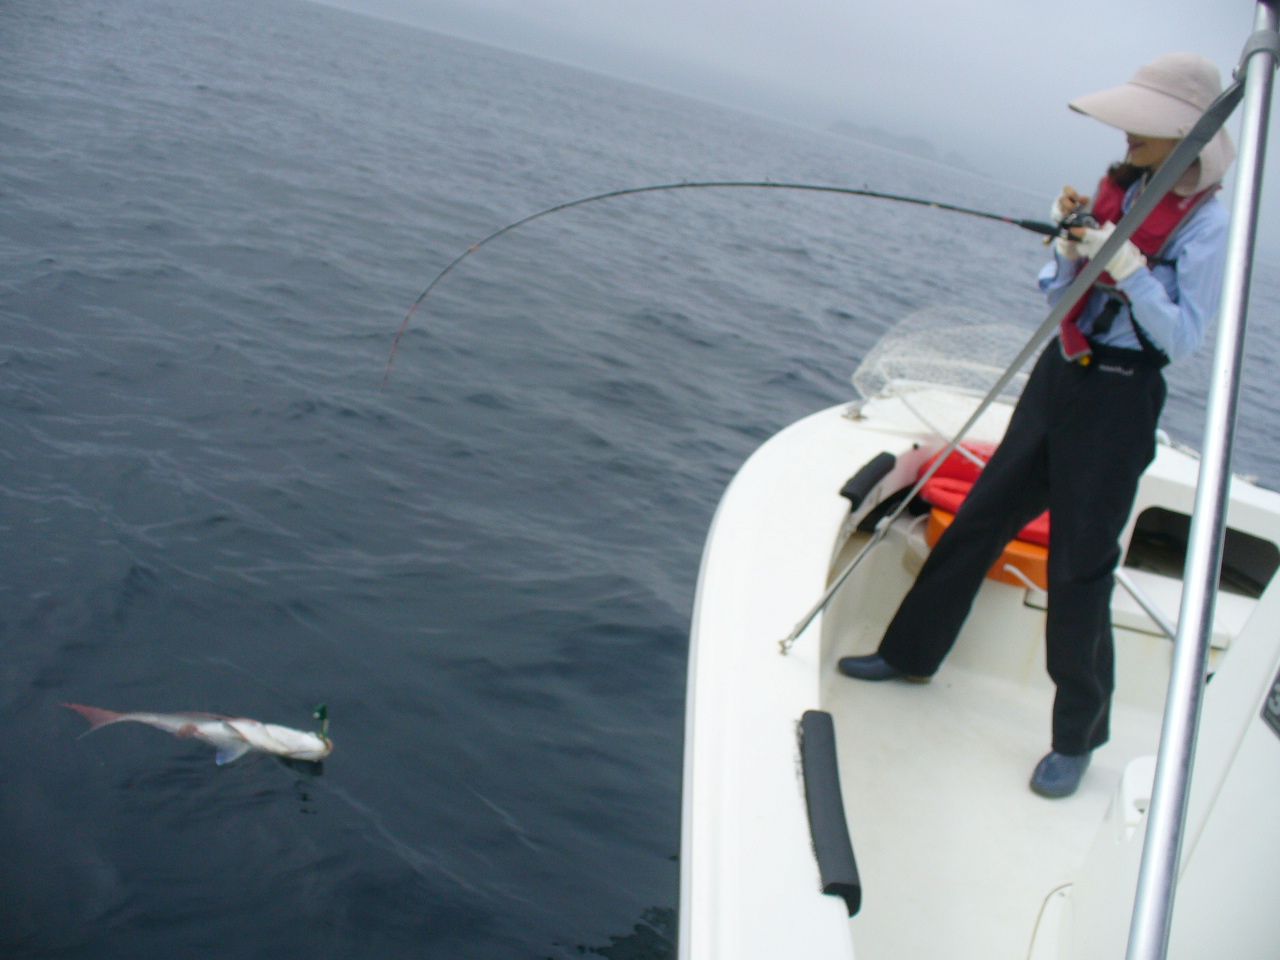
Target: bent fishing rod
1034 226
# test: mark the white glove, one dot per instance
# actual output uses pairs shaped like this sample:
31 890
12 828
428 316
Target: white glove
1067 248
1127 261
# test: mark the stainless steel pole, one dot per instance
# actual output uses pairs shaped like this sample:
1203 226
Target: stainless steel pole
1157 879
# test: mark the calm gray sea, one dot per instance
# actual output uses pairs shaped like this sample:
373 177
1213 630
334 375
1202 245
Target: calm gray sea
212 219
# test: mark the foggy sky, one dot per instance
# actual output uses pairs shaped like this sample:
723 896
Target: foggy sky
988 80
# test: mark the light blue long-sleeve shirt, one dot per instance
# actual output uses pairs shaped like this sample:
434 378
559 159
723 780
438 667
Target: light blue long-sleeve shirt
1173 302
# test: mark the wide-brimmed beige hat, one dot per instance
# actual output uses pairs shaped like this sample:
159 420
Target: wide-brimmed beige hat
1165 98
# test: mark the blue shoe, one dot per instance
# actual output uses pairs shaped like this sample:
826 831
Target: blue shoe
874 667
1058 775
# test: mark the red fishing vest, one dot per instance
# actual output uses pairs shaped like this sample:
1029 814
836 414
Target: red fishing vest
1150 237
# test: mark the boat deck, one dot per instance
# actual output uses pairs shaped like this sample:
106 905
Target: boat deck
957 855
966 849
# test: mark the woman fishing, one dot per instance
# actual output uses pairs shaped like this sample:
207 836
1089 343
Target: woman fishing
1084 429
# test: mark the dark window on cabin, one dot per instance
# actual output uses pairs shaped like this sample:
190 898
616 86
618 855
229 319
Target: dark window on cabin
1159 544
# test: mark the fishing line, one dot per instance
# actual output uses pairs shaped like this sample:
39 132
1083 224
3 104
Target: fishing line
1035 226
427 865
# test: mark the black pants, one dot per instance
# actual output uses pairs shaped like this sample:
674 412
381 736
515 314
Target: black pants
1077 444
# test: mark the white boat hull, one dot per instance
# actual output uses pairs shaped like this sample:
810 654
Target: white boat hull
959 859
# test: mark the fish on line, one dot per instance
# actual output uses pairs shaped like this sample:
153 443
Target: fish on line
231 737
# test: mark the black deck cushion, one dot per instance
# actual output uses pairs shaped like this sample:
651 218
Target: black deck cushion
827 826
857 487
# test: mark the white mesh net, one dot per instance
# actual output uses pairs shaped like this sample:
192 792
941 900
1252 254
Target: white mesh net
943 346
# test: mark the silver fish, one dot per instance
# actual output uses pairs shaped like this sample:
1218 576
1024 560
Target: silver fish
232 737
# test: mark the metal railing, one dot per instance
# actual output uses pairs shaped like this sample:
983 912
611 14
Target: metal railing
1157 879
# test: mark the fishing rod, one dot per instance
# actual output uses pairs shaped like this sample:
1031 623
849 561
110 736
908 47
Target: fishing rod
1034 226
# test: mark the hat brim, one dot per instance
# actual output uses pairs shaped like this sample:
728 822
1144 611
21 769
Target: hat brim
1145 112
1141 110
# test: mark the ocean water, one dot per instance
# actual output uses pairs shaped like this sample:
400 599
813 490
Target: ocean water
212 220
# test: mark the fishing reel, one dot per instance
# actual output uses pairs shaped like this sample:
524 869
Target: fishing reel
1077 218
